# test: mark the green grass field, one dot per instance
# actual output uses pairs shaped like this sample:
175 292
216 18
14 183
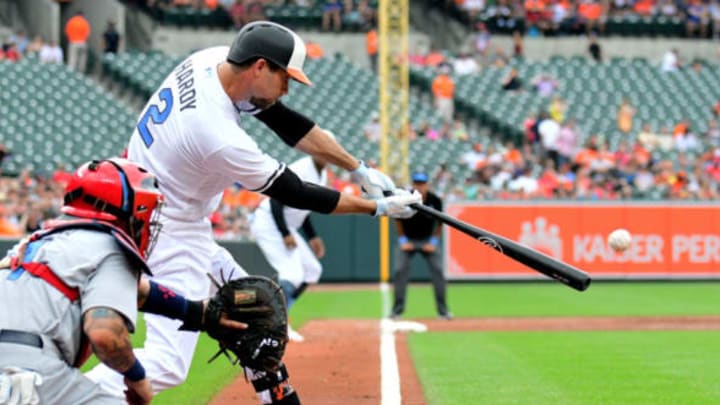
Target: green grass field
668 367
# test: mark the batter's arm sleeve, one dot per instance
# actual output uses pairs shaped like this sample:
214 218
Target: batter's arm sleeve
290 190
276 208
288 124
308 228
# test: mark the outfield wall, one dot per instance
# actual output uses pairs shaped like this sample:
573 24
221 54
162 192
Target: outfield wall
669 241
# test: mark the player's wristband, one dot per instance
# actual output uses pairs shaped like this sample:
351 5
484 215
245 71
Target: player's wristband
434 241
136 372
403 240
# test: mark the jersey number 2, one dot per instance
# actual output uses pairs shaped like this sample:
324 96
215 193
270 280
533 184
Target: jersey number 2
154 114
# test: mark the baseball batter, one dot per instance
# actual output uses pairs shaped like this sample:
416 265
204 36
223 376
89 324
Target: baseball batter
275 228
190 136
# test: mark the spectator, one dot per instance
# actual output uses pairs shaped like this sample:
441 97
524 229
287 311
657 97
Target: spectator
351 17
442 178
332 15
592 15
474 158
11 53
473 8
458 131
366 11
714 12
110 39
594 49
686 141
668 8
670 61
625 115
645 8
482 40
549 131
557 109
559 14
530 127
77 31
434 58
545 84
713 133
238 14
465 64
371 47
4 153
517 39
512 81
697 19
566 143
35 46
20 40
255 10
51 53
443 88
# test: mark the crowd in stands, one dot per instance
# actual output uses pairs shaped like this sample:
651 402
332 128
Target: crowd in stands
18 46
337 15
550 17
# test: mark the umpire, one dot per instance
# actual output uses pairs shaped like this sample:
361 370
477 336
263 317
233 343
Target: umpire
420 234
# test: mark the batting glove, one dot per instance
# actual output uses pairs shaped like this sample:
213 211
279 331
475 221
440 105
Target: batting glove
397 206
372 182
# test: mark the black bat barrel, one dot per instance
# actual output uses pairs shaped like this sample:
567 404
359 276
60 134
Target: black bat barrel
537 261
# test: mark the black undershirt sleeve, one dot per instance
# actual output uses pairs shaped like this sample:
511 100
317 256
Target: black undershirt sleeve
276 208
308 228
288 124
290 190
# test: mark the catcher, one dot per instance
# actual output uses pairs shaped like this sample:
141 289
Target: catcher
74 288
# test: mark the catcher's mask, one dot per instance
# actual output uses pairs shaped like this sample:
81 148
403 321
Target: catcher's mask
121 192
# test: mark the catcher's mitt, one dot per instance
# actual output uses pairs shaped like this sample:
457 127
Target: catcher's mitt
260 303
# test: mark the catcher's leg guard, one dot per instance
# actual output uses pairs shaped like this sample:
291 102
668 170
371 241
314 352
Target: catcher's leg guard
273 388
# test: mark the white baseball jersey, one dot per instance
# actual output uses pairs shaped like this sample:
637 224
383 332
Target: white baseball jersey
307 171
189 136
296 265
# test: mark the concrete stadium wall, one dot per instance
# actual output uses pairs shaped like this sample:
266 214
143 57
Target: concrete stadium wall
181 41
650 48
41 17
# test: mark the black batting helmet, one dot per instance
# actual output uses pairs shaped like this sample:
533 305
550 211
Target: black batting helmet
271 41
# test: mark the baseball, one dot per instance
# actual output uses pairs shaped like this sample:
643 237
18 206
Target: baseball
619 240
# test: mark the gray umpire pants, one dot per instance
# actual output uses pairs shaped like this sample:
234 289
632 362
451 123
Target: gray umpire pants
402 276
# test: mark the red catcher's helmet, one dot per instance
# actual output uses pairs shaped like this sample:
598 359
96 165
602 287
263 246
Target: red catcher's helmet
117 191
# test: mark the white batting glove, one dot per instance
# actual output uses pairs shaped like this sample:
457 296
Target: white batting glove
397 206
372 182
19 386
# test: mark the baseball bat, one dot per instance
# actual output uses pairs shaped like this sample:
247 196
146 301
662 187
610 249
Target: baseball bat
537 261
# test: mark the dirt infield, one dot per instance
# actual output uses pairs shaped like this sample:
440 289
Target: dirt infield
339 361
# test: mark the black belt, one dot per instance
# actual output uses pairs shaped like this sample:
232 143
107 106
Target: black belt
21 338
